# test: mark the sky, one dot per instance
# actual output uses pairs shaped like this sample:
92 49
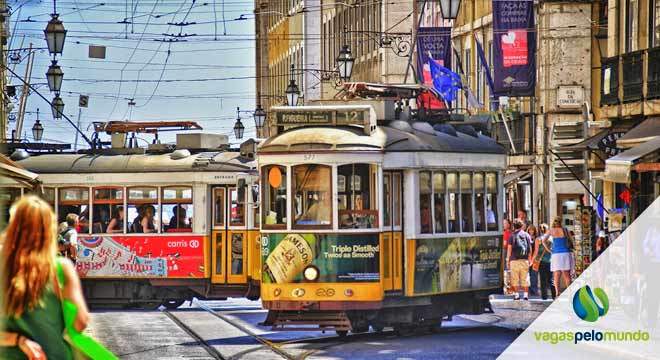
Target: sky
202 79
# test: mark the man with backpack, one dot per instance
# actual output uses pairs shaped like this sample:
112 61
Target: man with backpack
68 238
518 258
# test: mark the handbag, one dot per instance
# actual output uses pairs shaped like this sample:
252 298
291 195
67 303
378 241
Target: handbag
83 346
536 263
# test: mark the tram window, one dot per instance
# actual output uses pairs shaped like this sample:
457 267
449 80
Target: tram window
219 208
387 200
453 197
274 196
479 191
177 209
425 201
236 253
107 210
45 193
440 218
142 211
7 197
311 202
236 209
357 189
74 201
466 203
491 201
396 206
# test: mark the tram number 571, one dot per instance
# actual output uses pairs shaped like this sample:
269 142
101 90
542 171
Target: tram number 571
309 157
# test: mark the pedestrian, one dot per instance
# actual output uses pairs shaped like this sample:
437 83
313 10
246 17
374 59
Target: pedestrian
31 314
70 237
533 274
518 254
542 256
522 216
561 263
602 242
506 224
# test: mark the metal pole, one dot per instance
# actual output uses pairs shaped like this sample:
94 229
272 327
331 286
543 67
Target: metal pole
24 94
75 142
414 44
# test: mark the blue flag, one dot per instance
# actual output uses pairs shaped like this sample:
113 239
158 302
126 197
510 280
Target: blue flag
600 209
445 81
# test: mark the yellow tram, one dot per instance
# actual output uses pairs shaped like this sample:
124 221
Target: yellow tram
197 233
372 221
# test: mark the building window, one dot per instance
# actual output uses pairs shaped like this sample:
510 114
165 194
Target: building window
630 25
654 33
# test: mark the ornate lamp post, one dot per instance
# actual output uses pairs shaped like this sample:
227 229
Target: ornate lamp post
54 76
259 118
345 62
292 91
37 129
450 8
55 35
57 107
238 126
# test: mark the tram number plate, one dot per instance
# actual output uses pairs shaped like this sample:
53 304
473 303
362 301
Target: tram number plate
309 157
329 117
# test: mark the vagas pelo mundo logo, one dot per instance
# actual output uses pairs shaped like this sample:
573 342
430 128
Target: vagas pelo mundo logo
590 306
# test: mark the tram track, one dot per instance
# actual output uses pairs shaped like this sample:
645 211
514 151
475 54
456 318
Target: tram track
320 343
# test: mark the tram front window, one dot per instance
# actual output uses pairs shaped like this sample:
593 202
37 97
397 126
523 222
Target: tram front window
491 201
357 189
439 202
478 181
452 211
311 203
274 202
425 202
466 203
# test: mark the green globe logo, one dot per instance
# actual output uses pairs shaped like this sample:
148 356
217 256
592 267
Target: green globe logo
585 305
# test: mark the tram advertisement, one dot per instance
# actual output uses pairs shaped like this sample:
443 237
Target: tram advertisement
141 256
338 258
455 264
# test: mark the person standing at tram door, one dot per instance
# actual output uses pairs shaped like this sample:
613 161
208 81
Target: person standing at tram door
236 254
518 254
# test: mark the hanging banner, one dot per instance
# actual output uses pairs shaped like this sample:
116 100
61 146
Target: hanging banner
514 53
432 42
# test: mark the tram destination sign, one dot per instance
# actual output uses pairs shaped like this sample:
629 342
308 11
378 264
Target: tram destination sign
324 115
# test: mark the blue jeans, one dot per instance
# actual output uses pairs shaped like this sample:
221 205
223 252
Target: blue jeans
533 281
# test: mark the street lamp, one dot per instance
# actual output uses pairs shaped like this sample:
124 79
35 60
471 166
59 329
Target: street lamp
55 35
37 129
292 92
54 76
449 9
238 126
345 63
259 117
57 107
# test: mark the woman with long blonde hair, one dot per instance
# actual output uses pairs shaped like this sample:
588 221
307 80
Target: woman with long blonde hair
31 313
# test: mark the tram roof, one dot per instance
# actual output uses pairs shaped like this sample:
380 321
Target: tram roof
396 137
137 163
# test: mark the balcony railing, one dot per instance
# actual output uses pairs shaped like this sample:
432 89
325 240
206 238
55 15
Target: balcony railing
633 76
521 128
653 81
609 94
631 67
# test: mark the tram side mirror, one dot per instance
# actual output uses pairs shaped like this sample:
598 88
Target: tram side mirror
255 194
241 188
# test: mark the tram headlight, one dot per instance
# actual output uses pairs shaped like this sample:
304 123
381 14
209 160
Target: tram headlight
277 292
348 292
311 273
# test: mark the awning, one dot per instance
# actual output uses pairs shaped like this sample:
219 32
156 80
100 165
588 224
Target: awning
9 170
645 131
514 176
617 168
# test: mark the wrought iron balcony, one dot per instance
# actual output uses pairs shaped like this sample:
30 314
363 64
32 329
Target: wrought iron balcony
609 93
521 128
653 80
633 76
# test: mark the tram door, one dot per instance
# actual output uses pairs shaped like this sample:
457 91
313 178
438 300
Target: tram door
392 238
229 237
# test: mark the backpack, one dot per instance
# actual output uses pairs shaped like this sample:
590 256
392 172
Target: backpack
521 245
